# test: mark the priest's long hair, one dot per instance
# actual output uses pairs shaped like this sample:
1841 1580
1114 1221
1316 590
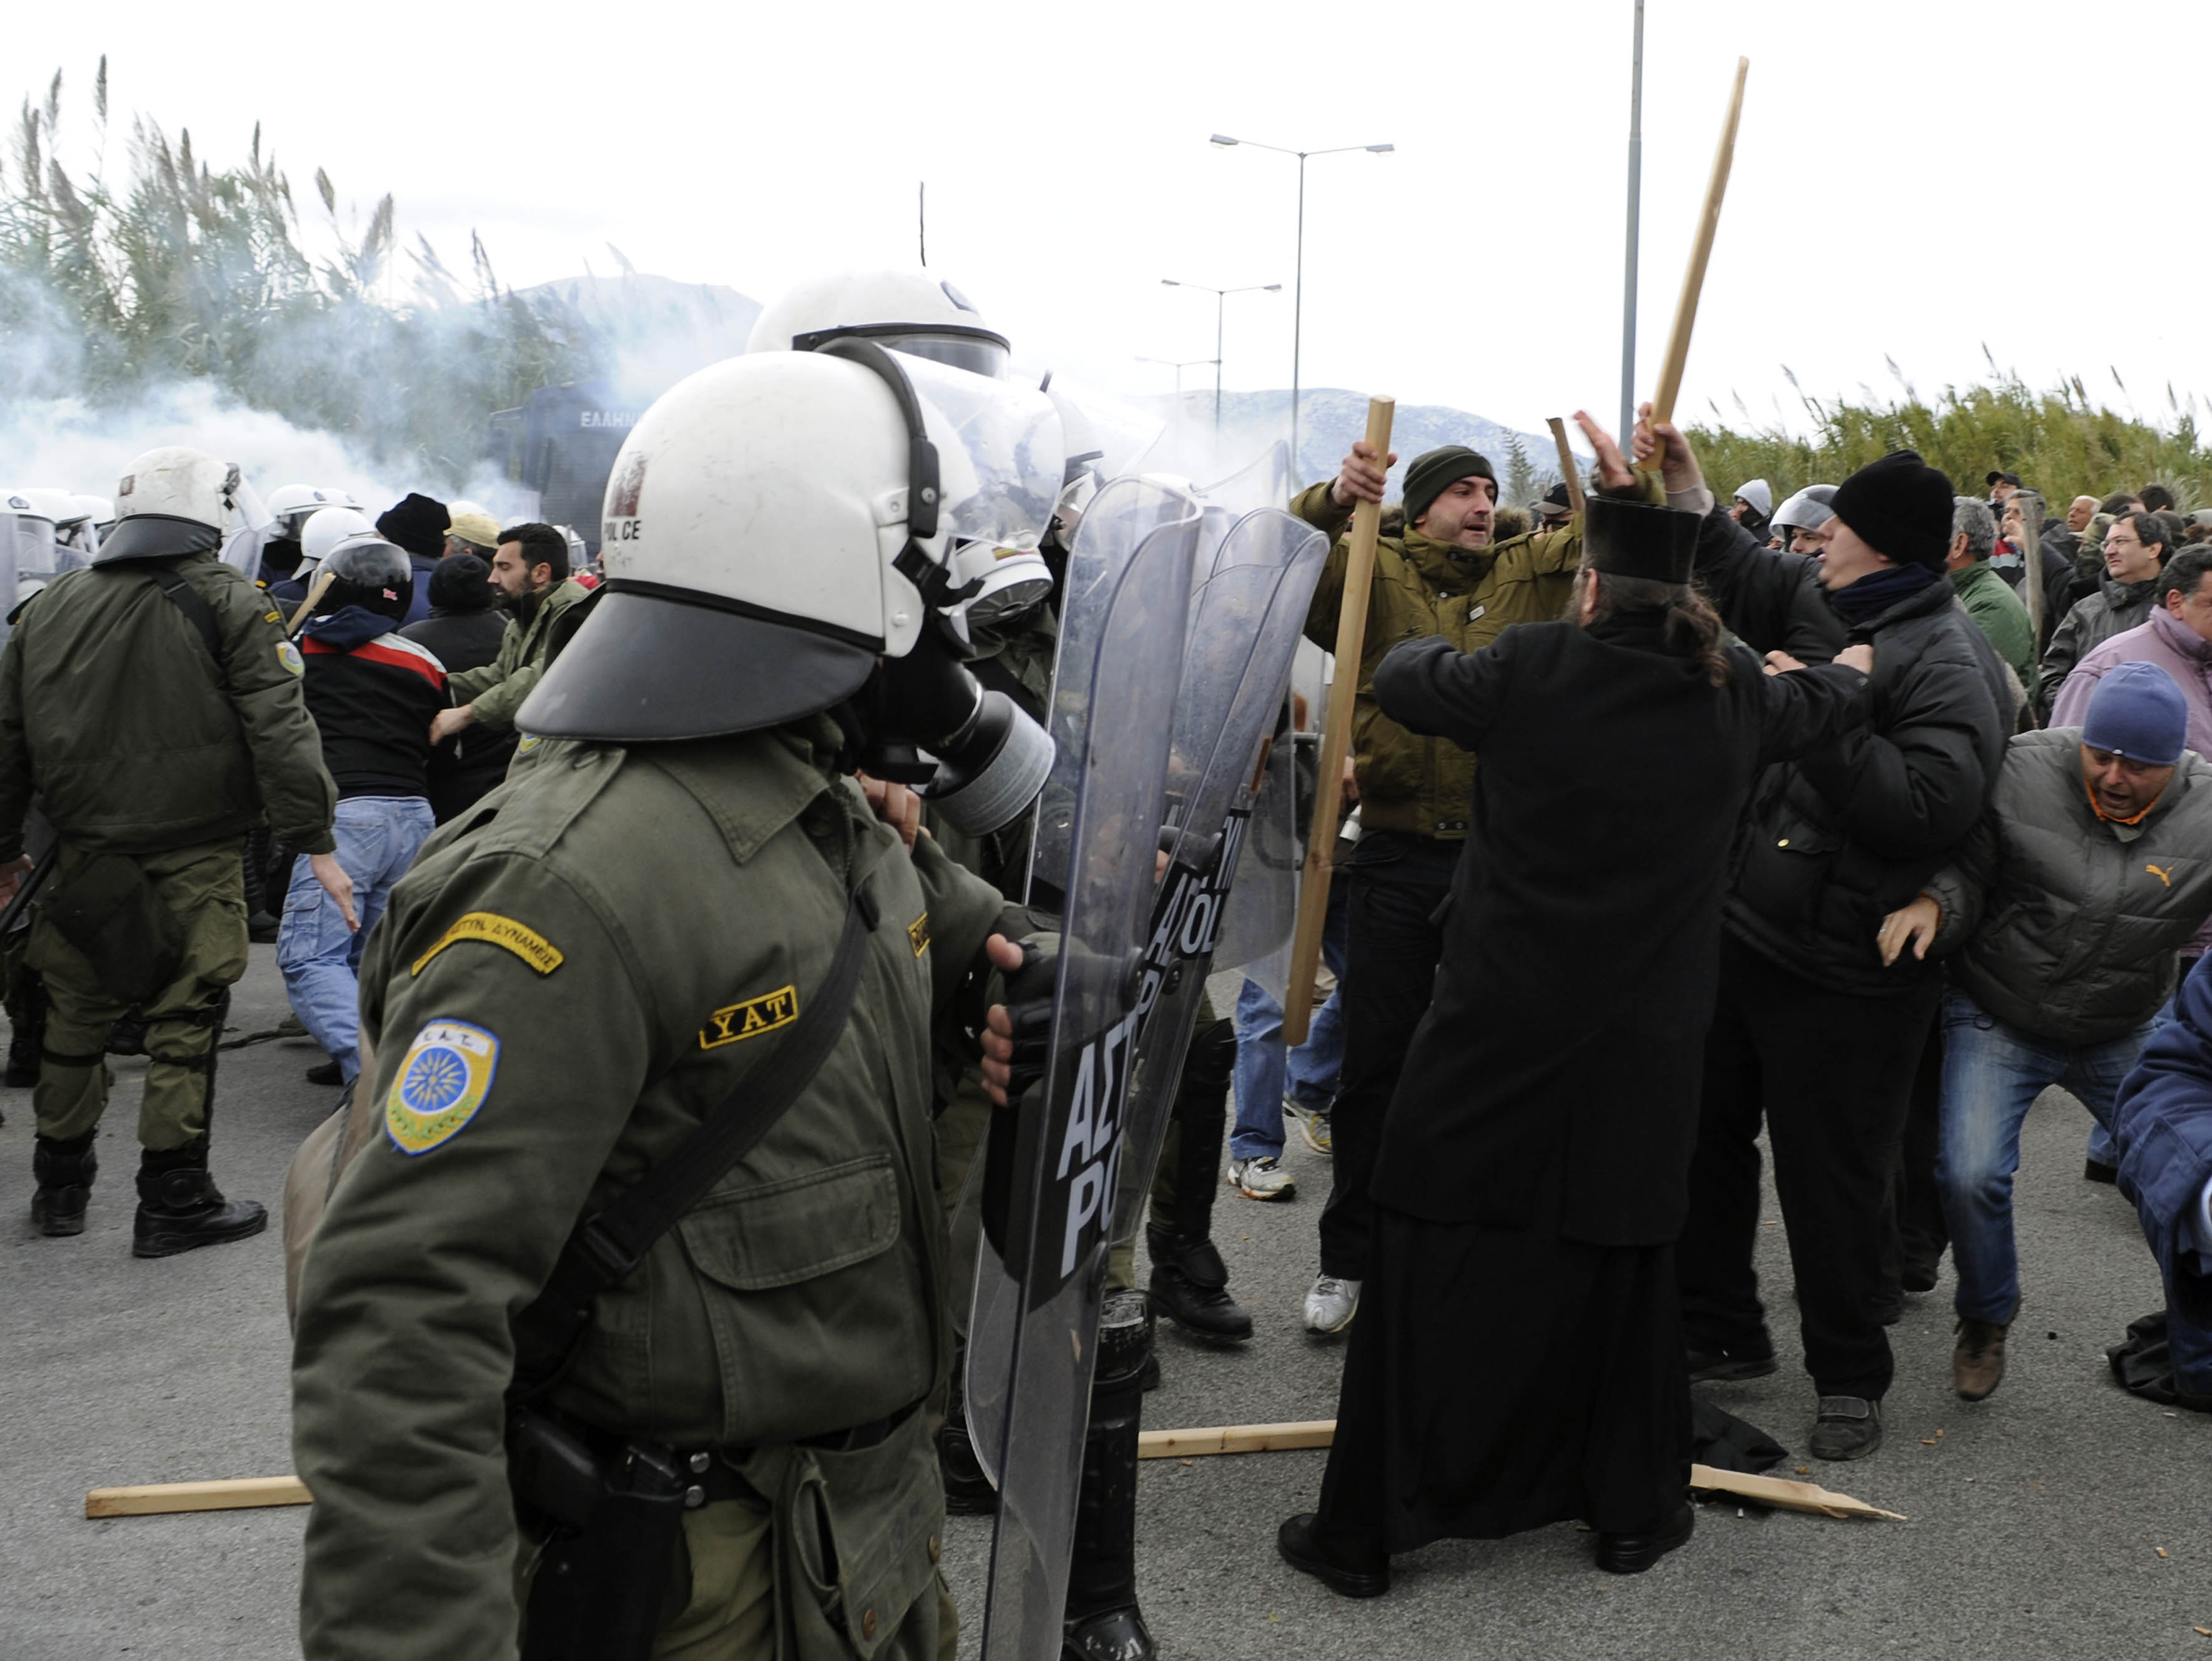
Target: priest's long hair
1694 629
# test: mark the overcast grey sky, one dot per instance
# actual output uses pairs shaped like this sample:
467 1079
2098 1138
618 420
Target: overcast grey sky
1915 178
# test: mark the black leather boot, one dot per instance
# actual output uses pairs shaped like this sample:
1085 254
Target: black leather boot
1103 1621
179 1207
65 1171
1190 1286
1190 1283
26 1035
967 1491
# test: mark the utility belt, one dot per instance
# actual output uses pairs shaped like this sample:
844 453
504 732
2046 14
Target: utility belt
609 1514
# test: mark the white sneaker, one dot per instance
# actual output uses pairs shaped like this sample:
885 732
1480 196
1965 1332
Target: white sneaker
1261 1178
1331 1305
1313 1126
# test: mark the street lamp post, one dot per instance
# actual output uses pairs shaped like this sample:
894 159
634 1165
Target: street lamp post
1220 299
1299 291
1635 203
1179 365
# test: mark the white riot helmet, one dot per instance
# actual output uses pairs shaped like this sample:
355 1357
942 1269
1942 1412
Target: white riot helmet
293 505
1809 510
81 530
776 538
910 312
36 514
326 527
172 501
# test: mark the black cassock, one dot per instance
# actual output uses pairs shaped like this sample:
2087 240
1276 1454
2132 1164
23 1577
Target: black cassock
1518 1359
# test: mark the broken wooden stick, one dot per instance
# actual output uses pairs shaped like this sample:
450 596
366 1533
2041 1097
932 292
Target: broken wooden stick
1786 1495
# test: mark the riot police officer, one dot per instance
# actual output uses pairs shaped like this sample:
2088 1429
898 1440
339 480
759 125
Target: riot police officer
709 1405
152 704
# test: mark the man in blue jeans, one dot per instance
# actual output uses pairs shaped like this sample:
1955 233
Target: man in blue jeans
2064 912
373 696
1271 1077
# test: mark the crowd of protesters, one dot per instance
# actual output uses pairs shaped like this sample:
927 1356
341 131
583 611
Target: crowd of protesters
1992 881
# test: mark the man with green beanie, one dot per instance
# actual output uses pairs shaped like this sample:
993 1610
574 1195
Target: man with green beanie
1442 577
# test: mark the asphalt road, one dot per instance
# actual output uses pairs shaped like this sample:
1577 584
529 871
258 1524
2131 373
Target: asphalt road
2037 1516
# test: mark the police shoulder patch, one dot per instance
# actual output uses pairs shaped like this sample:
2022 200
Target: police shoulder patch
441 1082
289 655
525 942
748 1019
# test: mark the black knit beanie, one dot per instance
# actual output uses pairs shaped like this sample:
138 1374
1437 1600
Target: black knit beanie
417 524
1901 506
1433 471
462 582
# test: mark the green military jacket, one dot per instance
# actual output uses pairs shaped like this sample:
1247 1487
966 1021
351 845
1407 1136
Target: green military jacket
571 975
497 689
1998 612
1423 588
136 741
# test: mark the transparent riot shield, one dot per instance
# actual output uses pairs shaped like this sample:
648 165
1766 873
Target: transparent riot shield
1118 521
1033 1335
1260 916
1264 482
1245 627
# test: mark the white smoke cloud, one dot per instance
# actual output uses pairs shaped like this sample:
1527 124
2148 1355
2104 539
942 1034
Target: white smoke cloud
67 444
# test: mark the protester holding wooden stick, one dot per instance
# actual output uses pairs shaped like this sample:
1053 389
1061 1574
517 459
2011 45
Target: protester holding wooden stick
1521 1361
1442 577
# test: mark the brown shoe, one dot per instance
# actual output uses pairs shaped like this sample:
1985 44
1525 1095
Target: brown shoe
1978 1363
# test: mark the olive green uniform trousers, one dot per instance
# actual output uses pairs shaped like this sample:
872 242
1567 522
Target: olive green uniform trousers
205 887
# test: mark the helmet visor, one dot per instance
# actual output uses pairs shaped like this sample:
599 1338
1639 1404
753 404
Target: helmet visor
1000 454
976 351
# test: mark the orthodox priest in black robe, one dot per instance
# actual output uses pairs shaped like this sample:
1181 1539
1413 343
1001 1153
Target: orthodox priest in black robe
1518 1356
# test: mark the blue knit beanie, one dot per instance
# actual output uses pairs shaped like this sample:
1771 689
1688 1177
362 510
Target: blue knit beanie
2138 712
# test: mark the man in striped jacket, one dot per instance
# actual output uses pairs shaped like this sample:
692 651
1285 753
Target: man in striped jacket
373 695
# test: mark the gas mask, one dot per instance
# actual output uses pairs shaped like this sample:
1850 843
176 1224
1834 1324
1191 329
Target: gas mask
922 719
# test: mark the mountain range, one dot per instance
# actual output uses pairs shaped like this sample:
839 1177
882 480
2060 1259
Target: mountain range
659 330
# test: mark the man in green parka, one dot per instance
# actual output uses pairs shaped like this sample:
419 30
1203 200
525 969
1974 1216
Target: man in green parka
1442 577
1988 597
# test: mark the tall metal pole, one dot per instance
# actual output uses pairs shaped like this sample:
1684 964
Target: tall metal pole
1635 202
1297 319
1222 299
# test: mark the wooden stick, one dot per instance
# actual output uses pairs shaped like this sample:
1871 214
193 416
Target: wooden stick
2030 590
1235 1439
323 581
1775 1491
1335 739
156 1499
160 1498
1568 470
1786 1496
1693 280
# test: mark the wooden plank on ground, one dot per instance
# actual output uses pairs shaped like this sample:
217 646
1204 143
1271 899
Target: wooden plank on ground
153 1499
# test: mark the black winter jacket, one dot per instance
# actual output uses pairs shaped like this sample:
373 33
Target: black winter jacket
473 763
1776 596
1833 843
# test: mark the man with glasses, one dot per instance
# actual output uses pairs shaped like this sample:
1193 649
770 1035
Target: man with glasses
2134 552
